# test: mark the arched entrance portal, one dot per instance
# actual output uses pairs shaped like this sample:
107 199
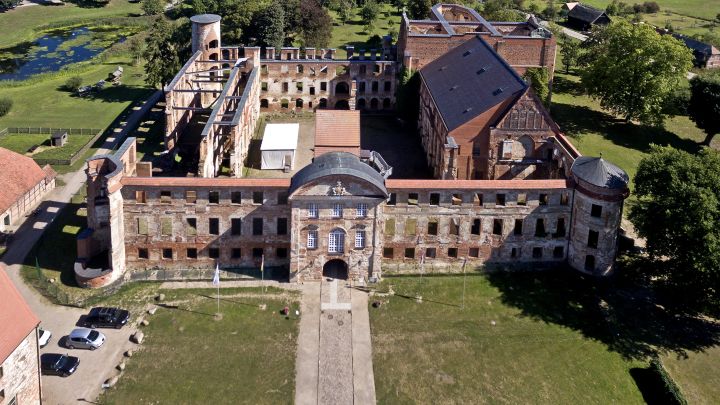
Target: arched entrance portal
336 268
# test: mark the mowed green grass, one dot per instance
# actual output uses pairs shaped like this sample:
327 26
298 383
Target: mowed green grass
44 102
707 9
22 142
698 375
188 357
594 131
436 352
21 24
353 32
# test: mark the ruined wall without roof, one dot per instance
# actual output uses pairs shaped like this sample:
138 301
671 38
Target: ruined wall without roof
161 222
459 235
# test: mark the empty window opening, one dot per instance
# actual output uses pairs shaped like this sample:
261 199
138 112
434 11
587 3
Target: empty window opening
282 198
497 226
499 199
257 226
140 197
258 197
434 198
478 200
540 227
167 253
236 197
236 253
474 252
412 199
596 211
143 253
214 226
235 226
518 230
452 252
257 253
432 227
165 197
522 199
392 200
191 253
457 199
537 252
388 253
558 252
454 227
214 197
214 253
476 226
409 253
281 253
593 237
190 197
282 226
543 199
560 228
430 253
191 228
564 198
514 253
590 263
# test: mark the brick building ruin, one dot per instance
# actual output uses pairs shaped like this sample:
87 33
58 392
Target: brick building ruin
508 189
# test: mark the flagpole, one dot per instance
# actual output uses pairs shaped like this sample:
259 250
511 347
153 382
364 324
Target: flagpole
262 272
464 278
216 283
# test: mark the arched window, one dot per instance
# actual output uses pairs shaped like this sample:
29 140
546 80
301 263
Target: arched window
386 104
374 104
360 105
323 103
299 103
213 44
342 88
336 241
213 56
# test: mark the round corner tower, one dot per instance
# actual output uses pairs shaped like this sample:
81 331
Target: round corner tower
600 191
206 35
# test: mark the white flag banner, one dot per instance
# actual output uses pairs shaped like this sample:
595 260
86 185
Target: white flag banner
216 277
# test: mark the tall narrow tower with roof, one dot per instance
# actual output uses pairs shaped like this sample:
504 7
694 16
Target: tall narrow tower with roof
601 189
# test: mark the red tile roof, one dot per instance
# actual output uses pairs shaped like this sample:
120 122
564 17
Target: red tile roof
16 318
474 184
337 128
203 182
18 175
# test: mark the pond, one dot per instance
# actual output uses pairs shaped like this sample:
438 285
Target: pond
53 51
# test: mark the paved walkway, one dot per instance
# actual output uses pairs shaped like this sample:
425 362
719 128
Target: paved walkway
334 356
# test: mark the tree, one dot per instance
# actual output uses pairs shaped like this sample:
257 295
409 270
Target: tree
8 4
551 11
5 106
631 68
501 10
344 8
72 84
717 18
270 24
678 212
153 7
136 46
315 24
401 4
419 9
161 54
704 105
570 51
538 79
369 14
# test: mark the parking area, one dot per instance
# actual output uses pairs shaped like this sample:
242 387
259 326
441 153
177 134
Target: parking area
95 366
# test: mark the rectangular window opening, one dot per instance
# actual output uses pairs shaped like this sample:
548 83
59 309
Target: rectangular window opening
191 253
497 226
593 237
214 197
499 199
214 226
236 197
388 253
518 230
257 225
434 198
165 197
282 226
457 199
409 253
412 199
430 253
143 253
596 211
190 197
235 226
476 226
537 253
236 253
167 253
258 197
522 199
452 252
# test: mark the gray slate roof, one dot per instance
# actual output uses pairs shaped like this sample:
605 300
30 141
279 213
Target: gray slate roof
337 163
585 13
469 80
205 18
599 172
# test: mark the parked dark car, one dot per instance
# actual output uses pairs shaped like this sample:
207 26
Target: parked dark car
103 317
58 364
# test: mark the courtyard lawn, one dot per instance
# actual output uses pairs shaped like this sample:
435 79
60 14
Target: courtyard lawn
353 32
189 357
698 375
26 20
436 352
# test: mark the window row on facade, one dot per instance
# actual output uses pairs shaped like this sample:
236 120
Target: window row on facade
478 199
340 70
497 226
337 210
210 197
192 253
215 226
336 239
429 253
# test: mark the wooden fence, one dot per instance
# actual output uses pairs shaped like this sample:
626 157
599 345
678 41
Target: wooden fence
71 131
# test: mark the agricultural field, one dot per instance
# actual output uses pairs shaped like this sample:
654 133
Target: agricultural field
705 9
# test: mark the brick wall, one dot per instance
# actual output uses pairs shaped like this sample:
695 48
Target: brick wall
21 373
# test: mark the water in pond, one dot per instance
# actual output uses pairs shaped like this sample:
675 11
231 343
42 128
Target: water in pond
50 53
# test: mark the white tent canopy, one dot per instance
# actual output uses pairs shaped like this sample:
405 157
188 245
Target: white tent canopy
278 146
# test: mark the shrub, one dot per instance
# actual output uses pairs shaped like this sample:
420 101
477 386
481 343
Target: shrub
73 83
670 390
5 106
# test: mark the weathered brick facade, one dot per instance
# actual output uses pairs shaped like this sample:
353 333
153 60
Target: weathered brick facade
20 377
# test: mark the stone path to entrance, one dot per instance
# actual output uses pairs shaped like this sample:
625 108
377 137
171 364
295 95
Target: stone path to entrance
334 356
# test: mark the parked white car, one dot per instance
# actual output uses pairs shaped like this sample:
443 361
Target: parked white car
43 337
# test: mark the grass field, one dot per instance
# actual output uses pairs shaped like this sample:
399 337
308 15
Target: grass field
22 142
706 9
594 131
698 375
436 352
188 357
25 20
353 32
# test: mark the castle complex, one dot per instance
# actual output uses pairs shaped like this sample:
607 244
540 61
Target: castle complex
508 189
